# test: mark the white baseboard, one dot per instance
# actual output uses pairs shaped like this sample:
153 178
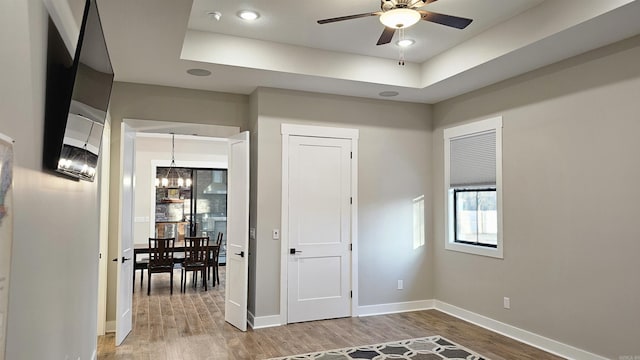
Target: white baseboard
524 336
380 309
261 322
110 326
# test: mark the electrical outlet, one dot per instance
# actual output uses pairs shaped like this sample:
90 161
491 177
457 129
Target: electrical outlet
507 303
252 233
276 234
400 284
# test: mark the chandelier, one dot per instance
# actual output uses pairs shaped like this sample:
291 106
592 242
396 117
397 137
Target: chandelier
172 178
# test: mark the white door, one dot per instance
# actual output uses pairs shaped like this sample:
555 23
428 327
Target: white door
125 250
319 263
237 267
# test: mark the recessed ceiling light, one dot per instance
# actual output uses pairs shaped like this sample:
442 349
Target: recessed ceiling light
248 15
389 93
405 42
214 15
199 72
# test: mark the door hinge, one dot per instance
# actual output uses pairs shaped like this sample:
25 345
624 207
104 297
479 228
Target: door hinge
351 155
350 200
351 294
351 247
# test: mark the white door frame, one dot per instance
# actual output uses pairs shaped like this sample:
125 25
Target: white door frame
214 131
288 130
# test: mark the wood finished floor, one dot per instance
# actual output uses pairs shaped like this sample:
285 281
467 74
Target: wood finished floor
191 326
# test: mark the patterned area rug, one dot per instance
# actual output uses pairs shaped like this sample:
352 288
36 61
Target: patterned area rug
427 348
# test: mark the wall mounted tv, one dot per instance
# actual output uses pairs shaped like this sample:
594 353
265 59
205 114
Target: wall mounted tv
77 96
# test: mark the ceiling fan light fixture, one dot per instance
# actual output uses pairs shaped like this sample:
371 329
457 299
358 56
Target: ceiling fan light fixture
400 18
248 15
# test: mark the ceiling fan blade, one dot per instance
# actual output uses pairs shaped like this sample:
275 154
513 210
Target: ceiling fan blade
348 17
448 20
387 35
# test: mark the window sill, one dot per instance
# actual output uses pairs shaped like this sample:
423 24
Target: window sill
476 250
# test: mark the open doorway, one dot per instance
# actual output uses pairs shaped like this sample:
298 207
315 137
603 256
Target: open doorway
142 223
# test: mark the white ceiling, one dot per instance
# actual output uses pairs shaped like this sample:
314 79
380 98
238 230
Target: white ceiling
295 23
156 41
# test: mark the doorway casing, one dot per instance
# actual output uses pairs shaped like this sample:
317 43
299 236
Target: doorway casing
166 127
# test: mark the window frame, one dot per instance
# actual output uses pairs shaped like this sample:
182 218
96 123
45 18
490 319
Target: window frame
457 132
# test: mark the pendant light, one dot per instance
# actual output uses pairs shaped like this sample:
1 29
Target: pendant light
172 177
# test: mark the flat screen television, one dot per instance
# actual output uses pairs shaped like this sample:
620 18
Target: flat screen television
77 96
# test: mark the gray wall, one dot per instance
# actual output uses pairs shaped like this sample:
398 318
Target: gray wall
253 197
570 190
53 290
385 192
149 102
394 164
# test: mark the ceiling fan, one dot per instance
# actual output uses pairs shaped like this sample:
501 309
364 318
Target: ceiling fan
400 14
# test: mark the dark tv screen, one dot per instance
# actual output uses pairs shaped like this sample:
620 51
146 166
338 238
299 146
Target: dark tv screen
77 98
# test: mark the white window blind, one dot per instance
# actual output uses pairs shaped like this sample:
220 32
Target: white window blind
473 160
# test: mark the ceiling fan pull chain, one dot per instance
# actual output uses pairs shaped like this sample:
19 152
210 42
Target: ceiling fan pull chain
401 55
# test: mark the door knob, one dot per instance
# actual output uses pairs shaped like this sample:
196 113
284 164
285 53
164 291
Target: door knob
293 251
241 253
123 259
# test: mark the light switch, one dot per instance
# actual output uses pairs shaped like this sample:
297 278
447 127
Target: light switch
276 234
252 233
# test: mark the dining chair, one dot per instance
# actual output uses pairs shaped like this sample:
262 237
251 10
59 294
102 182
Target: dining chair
196 258
160 259
214 260
141 264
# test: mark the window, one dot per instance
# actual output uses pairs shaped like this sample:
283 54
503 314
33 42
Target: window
475 214
473 157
